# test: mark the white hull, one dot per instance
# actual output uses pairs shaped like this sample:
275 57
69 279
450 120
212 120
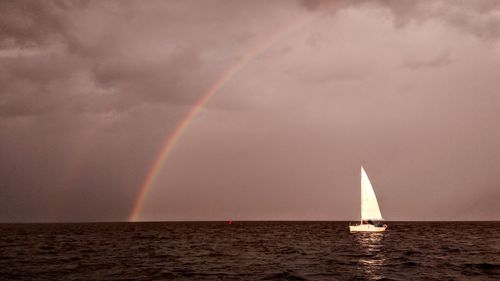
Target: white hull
367 228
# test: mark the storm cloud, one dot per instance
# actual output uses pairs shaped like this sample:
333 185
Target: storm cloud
90 90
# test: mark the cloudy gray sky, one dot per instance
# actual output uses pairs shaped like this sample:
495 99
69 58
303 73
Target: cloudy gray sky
90 90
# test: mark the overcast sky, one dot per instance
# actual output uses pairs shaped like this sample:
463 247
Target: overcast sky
90 90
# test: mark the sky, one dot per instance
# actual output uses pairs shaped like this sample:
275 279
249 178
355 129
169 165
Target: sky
91 91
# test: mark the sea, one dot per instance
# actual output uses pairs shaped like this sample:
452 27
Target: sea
249 251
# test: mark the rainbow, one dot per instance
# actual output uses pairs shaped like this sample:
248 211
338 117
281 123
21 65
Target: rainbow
182 126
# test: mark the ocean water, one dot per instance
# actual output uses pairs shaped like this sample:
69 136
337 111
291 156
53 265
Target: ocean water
249 251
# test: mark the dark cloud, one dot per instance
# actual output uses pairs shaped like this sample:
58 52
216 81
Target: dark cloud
480 18
90 91
96 56
30 23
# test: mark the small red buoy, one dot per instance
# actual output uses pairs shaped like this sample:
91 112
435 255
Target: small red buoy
230 222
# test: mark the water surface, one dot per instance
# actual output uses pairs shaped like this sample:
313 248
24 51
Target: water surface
249 251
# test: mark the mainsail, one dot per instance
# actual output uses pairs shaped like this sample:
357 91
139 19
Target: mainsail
369 205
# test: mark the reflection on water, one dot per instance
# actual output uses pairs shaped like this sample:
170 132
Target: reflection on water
374 257
213 251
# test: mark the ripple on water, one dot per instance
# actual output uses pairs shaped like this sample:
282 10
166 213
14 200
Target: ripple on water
248 251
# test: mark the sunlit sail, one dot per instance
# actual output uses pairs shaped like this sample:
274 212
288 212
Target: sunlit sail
370 211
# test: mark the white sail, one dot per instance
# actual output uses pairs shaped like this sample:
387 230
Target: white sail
369 204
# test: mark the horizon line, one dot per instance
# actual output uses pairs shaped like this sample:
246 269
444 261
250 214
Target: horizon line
225 221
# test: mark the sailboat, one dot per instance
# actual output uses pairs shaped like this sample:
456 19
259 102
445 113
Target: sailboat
370 212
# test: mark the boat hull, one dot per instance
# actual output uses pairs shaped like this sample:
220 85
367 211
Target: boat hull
367 228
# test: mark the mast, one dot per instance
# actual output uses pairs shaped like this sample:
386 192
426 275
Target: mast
361 202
